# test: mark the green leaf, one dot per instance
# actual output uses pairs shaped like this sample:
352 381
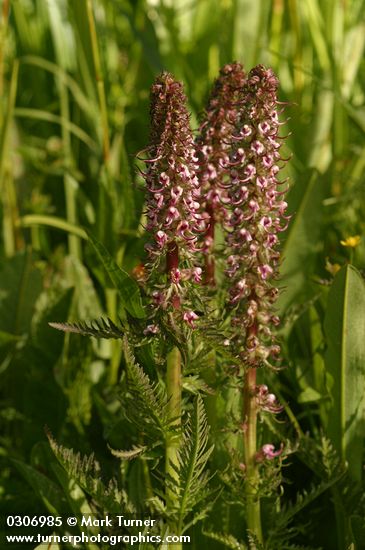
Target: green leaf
229 541
127 287
192 493
82 474
98 328
301 240
131 453
146 404
345 362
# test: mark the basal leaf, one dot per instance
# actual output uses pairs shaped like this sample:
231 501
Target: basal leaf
345 362
301 240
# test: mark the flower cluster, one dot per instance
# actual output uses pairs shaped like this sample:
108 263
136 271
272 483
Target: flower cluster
213 145
267 452
257 215
266 401
174 221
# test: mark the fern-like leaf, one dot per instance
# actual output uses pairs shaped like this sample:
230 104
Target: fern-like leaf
229 541
146 403
282 520
191 483
98 328
87 474
131 453
254 543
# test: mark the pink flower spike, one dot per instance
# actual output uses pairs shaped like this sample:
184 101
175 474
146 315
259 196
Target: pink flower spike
189 317
175 275
164 179
245 234
266 222
265 271
161 238
246 131
197 274
264 127
267 452
257 147
267 401
151 329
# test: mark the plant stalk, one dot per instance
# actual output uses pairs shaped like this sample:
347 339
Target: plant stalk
99 82
173 390
253 513
173 386
209 258
70 185
3 31
12 235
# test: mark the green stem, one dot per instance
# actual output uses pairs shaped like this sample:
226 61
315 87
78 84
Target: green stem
7 188
70 185
99 82
116 350
3 32
173 387
253 514
340 517
174 391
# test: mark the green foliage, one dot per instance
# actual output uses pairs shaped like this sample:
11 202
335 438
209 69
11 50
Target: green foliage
145 403
345 361
194 497
127 288
229 541
302 239
98 328
74 81
85 472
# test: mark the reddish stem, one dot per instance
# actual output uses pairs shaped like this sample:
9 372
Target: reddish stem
172 257
209 278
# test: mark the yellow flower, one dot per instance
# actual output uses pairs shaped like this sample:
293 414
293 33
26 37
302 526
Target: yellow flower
351 242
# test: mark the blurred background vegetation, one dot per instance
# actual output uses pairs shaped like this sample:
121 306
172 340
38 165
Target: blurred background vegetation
74 111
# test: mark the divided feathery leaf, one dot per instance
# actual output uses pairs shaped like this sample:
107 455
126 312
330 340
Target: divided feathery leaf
145 403
282 520
98 328
87 473
229 541
131 453
191 488
254 543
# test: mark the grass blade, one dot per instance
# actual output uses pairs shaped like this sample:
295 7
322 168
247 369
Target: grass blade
345 362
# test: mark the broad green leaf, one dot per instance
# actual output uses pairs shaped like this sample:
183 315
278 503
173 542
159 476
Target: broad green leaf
345 362
127 288
301 241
